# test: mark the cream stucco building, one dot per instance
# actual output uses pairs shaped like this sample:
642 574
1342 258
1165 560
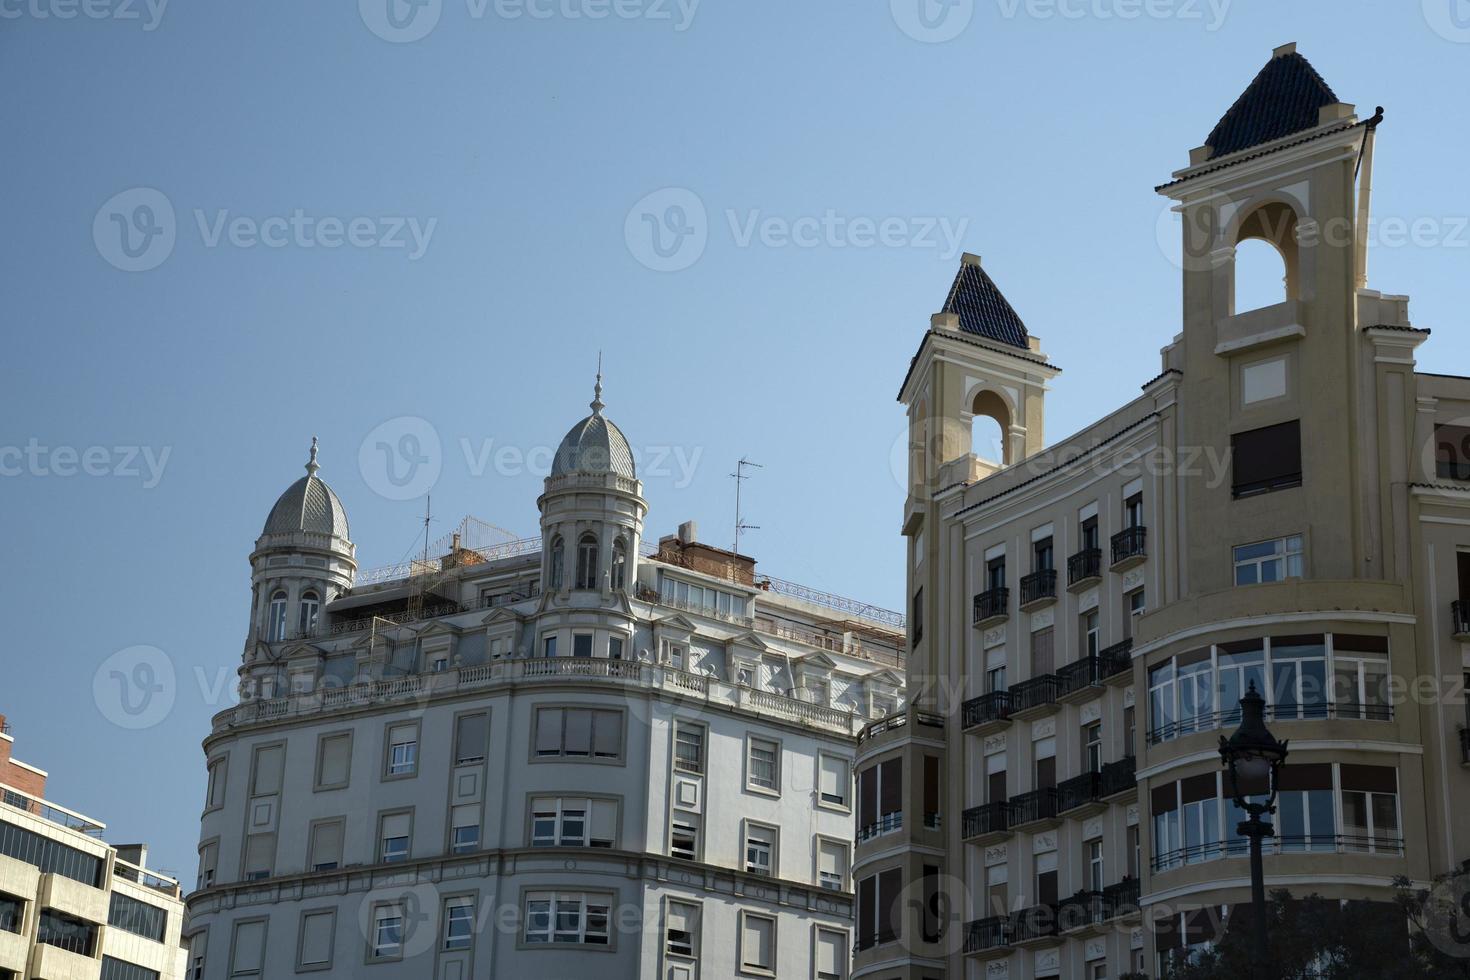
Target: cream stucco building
1285 504
576 755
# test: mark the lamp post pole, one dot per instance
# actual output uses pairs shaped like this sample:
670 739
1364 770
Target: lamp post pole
1257 830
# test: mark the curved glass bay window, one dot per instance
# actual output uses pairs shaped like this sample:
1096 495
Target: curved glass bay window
1302 678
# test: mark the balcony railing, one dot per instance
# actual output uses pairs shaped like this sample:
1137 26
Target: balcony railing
1130 543
1086 908
872 939
1039 804
886 824
894 722
1034 693
1288 844
995 706
1460 617
1121 898
987 934
1038 586
1033 924
1079 791
1118 777
1078 676
987 818
1117 658
1313 711
1084 566
992 604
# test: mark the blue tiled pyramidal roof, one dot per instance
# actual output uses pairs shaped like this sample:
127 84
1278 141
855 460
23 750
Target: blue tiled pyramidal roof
1282 99
982 310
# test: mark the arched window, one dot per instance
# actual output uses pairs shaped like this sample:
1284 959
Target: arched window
619 565
310 606
587 562
557 562
990 428
1265 259
275 622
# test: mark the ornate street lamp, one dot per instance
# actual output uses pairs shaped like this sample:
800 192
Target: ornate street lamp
1253 758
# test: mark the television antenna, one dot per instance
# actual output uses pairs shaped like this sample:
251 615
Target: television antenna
739 476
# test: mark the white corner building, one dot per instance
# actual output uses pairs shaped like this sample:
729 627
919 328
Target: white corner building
569 756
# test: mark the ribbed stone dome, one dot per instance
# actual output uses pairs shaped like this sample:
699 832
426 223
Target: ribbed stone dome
595 445
308 505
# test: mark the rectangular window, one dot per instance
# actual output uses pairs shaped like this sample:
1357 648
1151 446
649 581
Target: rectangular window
615 648
247 950
832 865
763 765
326 845
395 830
880 798
334 761
1360 682
1133 510
579 733
1298 677
471 738
260 856
682 929
266 770
318 933
214 795
459 923
548 647
1091 634
1043 654
464 828
995 573
1370 810
834 780
1095 880
208 861
563 918
1266 459
573 822
757 943
403 750
831 955
1452 452
1092 746
684 837
689 747
582 645
1268 561
387 932
760 849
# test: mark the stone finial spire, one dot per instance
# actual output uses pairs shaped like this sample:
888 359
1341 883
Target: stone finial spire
597 405
311 464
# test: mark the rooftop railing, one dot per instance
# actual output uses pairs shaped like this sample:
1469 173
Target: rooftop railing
148 879
50 812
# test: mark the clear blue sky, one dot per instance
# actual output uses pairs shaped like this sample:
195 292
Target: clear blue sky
527 142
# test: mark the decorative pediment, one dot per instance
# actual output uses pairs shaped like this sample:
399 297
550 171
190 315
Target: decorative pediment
815 663
502 615
675 625
440 628
303 652
885 678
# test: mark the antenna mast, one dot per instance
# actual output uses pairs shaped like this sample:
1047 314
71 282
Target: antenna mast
739 477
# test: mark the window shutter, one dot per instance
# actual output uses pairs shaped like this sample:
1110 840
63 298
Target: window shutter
604 821
608 732
326 844
1318 776
1266 459
548 731
829 954
1370 779
1164 799
829 860
833 777
466 815
268 764
316 938
260 853
681 917
867 911
395 825
249 948
868 796
892 787
1196 788
336 759
756 940
1043 658
890 882
472 732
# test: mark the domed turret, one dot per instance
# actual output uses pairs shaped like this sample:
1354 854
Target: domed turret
308 505
595 445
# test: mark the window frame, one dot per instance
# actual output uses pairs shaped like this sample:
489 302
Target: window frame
380 841
592 758
317 785
748 831
388 775
329 911
743 966
751 786
1284 556
609 901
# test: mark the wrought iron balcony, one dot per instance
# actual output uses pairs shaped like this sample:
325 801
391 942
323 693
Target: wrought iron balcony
1116 659
1118 777
1084 909
991 605
987 709
1084 567
983 935
1038 588
1130 545
1037 692
1033 807
987 818
1076 678
1121 898
1035 924
1079 791
1460 616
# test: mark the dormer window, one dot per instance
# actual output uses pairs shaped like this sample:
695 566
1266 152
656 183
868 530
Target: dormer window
275 623
587 562
310 607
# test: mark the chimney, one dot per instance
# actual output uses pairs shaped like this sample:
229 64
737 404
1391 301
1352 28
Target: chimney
688 532
133 854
